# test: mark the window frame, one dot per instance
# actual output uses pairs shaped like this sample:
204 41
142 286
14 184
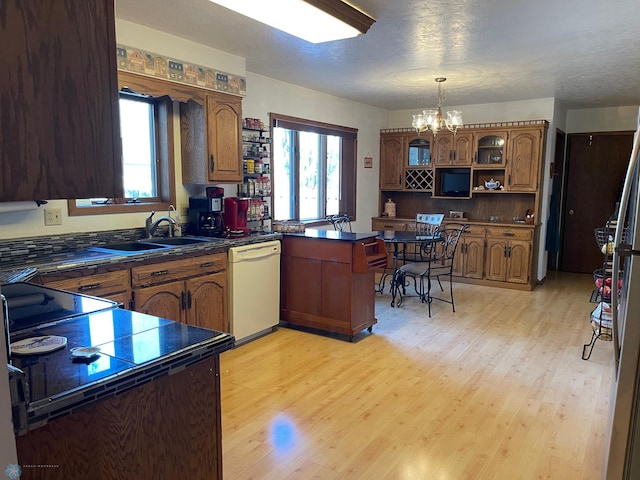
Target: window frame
164 95
348 171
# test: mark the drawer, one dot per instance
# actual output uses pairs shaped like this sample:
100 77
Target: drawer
475 231
506 232
389 225
177 269
98 284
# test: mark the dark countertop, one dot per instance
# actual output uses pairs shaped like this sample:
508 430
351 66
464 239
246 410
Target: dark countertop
135 348
24 269
333 235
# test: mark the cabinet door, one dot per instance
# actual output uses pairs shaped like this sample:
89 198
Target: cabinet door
473 257
519 256
490 147
164 301
462 149
391 162
207 302
224 139
60 135
444 149
496 265
524 160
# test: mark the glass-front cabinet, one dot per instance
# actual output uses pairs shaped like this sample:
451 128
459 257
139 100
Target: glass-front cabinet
419 152
490 148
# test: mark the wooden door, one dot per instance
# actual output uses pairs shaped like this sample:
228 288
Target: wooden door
596 166
524 160
164 301
496 264
462 149
207 302
518 256
391 162
224 139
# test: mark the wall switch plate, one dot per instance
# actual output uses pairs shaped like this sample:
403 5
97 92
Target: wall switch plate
52 216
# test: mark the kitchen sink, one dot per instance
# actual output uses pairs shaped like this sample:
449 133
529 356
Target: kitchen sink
175 241
129 248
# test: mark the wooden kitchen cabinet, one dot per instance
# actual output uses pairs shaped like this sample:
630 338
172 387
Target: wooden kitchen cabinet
192 291
454 150
469 257
62 137
391 161
524 162
508 255
114 285
211 140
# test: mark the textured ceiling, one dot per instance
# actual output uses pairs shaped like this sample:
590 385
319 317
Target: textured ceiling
585 53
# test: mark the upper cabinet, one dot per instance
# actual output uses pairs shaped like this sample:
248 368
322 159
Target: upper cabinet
490 148
454 150
391 161
523 166
211 137
60 134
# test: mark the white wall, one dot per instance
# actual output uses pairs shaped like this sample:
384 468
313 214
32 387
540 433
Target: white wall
611 119
273 96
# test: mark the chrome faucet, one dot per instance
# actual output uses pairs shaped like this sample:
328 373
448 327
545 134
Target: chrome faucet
151 226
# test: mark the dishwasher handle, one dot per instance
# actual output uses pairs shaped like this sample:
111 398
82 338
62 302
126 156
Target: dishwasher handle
260 251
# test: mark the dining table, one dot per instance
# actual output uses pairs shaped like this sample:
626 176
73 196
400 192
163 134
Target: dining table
400 238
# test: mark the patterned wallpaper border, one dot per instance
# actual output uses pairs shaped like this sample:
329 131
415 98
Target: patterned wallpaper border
140 61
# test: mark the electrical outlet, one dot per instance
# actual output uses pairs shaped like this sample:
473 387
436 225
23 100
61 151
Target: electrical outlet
52 216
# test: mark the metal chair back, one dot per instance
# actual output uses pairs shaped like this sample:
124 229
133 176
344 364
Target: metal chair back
340 222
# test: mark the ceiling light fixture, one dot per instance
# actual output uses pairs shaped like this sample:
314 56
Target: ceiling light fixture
316 21
433 119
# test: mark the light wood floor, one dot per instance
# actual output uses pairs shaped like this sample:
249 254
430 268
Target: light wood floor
494 391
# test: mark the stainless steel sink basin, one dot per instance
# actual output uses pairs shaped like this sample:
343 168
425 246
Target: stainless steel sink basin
175 241
128 248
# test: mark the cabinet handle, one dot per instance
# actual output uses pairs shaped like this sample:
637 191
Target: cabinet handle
505 251
211 162
508 234
509 182
207 264
182 301
189 299
159 272
93 286
509 252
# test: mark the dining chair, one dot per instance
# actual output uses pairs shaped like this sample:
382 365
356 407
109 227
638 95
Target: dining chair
426 224
340 222
439 258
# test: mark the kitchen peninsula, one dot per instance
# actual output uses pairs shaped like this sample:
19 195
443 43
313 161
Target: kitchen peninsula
139 408
327 280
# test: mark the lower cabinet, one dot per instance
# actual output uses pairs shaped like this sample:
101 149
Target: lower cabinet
192 291
508 255
490 254
469 258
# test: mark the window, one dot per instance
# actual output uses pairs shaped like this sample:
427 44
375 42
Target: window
147 158
313 169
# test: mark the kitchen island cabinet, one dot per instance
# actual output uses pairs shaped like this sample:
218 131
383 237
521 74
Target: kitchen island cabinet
147 407
327 280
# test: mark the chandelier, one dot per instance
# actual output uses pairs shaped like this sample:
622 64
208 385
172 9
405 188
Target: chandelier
433 119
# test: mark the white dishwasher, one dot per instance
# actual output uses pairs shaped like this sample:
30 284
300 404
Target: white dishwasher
254 293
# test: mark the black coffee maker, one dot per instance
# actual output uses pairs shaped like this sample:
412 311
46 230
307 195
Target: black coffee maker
205 216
